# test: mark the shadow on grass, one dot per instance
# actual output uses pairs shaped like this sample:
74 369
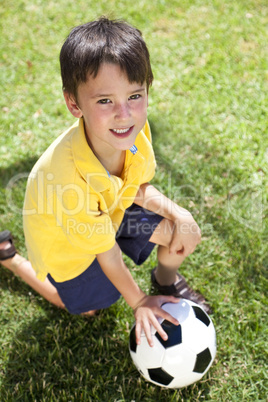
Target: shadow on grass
21 166
64 357
13 179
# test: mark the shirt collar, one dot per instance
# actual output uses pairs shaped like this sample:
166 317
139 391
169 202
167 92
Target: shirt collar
87 163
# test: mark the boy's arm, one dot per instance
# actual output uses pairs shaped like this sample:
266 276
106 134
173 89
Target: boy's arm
186 232
146 308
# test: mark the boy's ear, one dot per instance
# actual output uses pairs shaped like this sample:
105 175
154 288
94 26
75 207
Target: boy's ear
72 105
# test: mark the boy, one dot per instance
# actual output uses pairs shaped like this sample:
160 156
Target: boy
88 197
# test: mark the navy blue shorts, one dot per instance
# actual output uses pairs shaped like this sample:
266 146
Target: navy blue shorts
92 290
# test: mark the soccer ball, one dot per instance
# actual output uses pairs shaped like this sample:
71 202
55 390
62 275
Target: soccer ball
187 354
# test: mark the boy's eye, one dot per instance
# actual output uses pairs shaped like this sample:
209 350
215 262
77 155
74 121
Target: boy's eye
104 101
135 96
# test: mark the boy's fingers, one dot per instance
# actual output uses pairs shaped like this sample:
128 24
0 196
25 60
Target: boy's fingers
169 299
175 247
165 314
160 330
171 319
149 319
168 317
138 333
147 330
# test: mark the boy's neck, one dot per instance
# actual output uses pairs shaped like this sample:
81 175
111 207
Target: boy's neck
114 164
113 160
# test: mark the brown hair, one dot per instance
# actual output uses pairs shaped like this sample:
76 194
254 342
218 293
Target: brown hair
103 41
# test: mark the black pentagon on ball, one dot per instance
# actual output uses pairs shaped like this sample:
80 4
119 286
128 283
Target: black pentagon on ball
160 376
201 315
202 361
173 332
132 340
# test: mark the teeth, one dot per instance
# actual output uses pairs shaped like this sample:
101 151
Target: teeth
121 131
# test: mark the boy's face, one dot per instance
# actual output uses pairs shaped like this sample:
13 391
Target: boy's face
114 110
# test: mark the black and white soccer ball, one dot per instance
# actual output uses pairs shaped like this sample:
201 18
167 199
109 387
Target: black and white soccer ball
187 354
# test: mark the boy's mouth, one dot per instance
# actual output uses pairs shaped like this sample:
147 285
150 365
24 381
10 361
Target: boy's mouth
122 132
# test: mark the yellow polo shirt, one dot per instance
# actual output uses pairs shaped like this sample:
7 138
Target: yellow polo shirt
73 207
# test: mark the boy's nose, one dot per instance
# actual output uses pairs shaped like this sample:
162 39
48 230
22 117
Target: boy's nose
122 112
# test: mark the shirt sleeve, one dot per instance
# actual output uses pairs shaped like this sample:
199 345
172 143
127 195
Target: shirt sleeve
85 226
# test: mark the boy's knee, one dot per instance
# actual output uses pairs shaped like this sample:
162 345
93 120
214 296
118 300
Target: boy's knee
56 300
163 233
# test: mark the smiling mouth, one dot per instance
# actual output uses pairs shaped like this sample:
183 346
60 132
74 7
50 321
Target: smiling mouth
122 132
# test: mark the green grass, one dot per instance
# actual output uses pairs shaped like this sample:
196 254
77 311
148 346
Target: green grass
208 111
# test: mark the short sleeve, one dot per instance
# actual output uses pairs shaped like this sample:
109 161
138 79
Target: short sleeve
85 226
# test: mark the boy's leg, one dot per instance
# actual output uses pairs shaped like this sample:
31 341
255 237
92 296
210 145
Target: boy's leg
23 268
165 276
168 264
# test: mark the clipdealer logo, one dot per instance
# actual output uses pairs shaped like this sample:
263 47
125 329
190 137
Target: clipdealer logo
245 202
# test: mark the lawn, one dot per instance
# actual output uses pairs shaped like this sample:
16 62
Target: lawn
208 113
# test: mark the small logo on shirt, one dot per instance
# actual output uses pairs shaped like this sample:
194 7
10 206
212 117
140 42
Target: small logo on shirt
133 149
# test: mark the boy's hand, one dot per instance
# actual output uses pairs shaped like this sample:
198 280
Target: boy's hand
146 314
186 235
